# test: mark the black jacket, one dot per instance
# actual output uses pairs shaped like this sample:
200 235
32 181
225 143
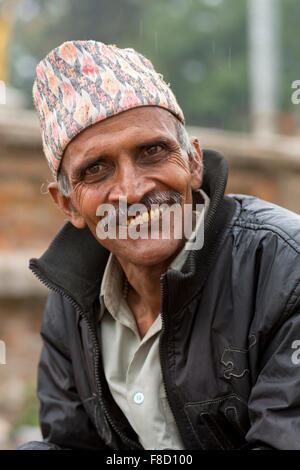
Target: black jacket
228 346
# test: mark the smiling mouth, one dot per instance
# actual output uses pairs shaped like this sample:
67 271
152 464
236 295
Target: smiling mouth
145 217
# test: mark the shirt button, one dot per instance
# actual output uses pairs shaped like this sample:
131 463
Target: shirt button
138 398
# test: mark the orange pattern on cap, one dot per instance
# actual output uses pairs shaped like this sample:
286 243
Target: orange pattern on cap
83 82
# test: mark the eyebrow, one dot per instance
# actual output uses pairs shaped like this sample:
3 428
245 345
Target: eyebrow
154 141
104 156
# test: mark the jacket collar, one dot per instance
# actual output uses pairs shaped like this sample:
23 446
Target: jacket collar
75 261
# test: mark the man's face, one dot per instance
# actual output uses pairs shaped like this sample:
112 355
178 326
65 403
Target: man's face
127 157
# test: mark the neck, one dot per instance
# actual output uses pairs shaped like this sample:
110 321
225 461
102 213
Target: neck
144 287
143 293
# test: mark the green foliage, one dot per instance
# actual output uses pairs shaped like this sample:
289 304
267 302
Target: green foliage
29 415
290 64
200 46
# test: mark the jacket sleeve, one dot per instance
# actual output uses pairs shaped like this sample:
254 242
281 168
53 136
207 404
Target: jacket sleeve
64 421
274 404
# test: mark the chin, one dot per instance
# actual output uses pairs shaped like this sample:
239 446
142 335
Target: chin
147 252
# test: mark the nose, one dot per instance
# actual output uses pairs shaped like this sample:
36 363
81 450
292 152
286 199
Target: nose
130 183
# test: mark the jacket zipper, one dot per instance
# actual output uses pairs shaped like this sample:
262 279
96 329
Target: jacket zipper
98 383
61 291
164 291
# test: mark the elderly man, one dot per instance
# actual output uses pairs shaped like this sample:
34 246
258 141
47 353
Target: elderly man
149 343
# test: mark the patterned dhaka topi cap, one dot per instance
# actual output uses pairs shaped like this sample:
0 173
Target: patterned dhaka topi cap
83 82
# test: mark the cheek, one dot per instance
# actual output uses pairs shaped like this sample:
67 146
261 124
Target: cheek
178 174
87 201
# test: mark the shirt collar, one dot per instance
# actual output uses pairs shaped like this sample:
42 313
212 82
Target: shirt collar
111 289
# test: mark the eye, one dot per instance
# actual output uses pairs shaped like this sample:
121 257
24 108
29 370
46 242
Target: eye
153 150
94 169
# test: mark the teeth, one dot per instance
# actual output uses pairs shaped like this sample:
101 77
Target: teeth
141 219
145 216
134 221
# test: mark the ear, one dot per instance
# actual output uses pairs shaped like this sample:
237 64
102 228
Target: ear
66 206
196 165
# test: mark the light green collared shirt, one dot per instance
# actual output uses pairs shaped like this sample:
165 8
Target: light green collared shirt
132 364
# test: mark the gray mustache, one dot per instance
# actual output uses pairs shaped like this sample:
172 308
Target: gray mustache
163 197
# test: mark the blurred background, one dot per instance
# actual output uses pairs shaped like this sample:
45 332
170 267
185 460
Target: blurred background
233 65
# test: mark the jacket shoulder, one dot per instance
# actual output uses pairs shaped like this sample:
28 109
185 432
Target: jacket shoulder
257 214
266 261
